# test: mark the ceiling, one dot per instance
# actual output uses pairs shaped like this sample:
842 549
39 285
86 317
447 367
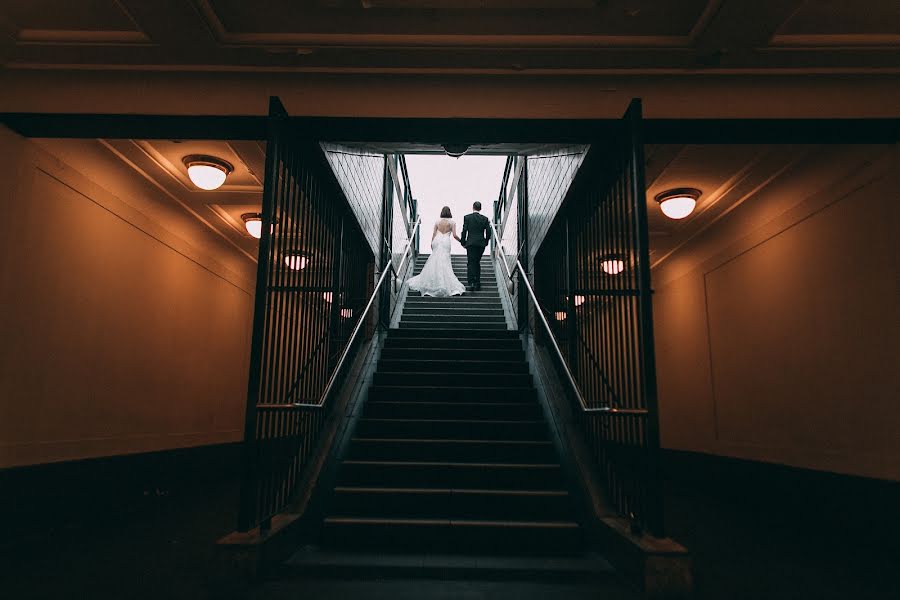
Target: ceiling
727 175
468 36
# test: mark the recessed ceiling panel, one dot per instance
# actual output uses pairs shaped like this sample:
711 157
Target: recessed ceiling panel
85 15
461 17
835 17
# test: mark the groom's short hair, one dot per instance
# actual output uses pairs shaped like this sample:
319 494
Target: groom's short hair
477 205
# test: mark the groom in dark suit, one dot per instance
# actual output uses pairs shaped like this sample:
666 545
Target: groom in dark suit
475 235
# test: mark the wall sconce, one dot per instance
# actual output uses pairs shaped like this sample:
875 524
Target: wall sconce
327 296
579 300
560 315
346 313
678 203
207 172
296 261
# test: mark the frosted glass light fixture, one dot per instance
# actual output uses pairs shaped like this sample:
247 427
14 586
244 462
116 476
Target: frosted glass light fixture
296 261
253 223
678 203
612 265
207 172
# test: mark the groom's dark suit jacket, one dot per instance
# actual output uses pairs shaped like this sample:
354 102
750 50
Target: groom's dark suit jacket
476 230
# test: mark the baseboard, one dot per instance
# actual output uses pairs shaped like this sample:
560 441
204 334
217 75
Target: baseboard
39 499
854 507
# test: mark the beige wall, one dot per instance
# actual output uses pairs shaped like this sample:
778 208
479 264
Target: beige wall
777 329
117 335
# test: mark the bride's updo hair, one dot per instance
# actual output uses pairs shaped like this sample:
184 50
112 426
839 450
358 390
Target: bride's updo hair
445 213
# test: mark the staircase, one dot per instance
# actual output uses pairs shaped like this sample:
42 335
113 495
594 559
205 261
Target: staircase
451 453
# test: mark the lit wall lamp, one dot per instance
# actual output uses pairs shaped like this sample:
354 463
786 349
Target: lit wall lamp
678 203
327 296
579 300
207 172
560 315
612 264
296 261
253 223
346 313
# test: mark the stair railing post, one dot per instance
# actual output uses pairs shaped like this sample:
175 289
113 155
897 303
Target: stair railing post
655 522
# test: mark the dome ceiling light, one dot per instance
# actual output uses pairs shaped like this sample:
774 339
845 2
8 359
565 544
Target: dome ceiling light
207 172
296 261
612 264
678 203
455 150
253 223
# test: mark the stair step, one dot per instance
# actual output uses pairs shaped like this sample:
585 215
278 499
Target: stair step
440 474
468 324
484 293
455 302
414 393
405 341
512 411
417 309
435 503
461 333
452 354
486 278
459 429
454 367
466 380
484 451
453 535
585 568
449 317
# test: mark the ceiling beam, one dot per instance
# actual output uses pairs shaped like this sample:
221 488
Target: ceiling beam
471 131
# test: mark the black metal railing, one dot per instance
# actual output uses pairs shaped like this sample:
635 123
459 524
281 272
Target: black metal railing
313 274
401 213
592 299
509 238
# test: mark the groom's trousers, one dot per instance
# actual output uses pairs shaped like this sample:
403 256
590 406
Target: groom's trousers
473 265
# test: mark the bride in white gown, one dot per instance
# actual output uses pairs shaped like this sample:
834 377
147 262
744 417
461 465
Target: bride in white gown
437 277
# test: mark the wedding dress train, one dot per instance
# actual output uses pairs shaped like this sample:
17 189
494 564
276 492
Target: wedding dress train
437 277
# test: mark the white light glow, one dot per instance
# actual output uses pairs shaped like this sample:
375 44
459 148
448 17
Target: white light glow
296 262
678 207
254 226
327 296
346 313
560 315
612 266
579 300
207 177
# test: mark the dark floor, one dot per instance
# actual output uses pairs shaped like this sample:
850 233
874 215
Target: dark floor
156 543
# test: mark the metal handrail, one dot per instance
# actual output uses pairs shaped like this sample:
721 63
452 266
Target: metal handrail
356 329
562 360
498 245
